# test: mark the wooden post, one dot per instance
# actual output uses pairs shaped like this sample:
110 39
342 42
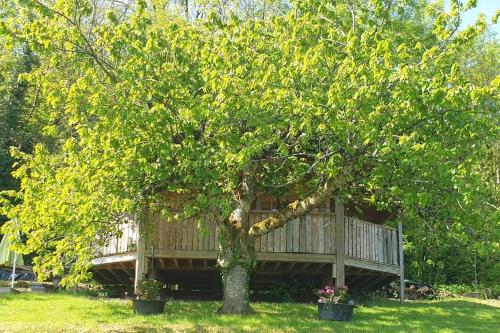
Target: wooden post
339 266
141 261
401 264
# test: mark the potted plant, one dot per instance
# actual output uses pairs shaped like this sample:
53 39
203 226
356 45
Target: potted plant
149 301
334 304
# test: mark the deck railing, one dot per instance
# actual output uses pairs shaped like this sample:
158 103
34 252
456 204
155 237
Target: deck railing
313 233
124 242
372 242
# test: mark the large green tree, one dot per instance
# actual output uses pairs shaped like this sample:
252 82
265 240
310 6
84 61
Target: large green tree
461 246
334 98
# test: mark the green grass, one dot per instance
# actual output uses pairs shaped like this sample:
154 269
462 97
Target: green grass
67 313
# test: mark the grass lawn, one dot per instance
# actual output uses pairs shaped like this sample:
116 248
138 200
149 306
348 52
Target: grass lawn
67 313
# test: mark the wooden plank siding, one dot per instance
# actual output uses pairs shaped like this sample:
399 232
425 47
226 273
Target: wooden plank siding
310 234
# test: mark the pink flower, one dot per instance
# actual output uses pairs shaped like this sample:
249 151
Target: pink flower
321 291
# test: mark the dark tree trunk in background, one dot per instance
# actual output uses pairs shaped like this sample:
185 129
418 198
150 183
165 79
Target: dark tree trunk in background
186 8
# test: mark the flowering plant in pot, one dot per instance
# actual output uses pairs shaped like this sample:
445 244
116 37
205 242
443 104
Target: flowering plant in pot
148 301
335 304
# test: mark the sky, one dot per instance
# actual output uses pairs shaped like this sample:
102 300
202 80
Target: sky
487 7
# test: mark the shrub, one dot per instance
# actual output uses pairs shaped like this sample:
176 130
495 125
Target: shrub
149 289
455 290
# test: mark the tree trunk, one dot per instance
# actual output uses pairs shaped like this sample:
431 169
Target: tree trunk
237 251
237 263
236 290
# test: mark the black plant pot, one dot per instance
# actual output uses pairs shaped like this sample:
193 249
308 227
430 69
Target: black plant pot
339 312
148 307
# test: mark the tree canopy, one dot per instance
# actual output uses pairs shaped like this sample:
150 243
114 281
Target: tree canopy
333 98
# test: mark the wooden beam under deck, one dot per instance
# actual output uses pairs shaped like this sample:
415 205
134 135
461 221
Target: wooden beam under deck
169 259
128 270
131 256
371 265
120 275
401 264
162 263
291 267
275 257
99 277
106 275
375 281
304 267
356 279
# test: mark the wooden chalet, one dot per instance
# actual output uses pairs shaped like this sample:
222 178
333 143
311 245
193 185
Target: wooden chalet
332 242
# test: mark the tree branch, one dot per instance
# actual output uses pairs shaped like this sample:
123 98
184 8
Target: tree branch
295 209
240 216
90 52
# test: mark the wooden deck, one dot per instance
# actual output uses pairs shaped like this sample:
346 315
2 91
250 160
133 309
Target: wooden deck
304 246
311 234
